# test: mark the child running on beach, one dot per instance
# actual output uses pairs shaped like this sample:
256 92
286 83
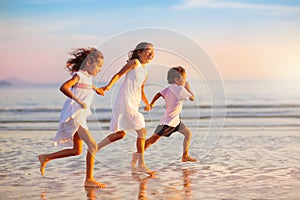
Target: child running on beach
174 95
87 62
125 113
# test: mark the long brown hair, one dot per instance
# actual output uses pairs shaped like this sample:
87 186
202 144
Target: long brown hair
140 47
80 56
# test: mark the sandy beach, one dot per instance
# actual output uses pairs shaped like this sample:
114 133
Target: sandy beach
246 164
256 156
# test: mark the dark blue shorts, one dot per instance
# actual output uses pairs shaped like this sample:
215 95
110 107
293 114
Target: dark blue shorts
165 130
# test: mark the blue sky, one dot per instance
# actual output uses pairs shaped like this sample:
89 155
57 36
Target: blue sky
245 39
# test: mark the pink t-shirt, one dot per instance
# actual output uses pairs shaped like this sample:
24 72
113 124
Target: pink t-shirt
174 96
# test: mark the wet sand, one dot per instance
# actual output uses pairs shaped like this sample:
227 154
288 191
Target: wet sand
246 164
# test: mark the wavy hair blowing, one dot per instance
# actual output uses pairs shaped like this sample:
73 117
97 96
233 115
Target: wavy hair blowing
80 56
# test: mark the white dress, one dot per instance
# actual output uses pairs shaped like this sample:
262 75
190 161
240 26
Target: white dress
125 112
73 115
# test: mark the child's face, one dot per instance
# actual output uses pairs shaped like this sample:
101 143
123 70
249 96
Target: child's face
181 80
146 55
95 67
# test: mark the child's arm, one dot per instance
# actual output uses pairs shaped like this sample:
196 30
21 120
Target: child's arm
188 88
129 66
144 98
65 89
155 98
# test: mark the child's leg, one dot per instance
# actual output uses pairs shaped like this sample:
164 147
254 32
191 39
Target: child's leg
140 145
89 180
111 138
186 145
76 150
86 136
151 140
148 143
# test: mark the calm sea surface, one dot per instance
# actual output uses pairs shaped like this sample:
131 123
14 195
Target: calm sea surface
247 105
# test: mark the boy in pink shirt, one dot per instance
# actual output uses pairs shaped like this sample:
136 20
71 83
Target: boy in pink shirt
174 95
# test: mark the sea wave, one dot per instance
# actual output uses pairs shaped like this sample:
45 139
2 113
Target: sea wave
190 112
40 109
105 109
246 115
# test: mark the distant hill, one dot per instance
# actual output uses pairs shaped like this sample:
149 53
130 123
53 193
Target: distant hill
4 83
15 82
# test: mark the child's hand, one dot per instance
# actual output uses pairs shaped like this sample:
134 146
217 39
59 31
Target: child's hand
83 105
188 88
148 107
187 85
100 91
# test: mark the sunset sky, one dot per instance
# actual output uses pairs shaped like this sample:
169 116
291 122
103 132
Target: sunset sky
247 40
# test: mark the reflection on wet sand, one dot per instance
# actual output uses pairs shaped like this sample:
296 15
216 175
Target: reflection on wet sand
43 195
174 183
140 178
90 193
187 180
142 194
185 192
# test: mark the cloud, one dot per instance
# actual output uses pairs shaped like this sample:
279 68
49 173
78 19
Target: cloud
219 4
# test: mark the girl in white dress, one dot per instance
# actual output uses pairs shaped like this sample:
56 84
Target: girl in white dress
73 127
125 114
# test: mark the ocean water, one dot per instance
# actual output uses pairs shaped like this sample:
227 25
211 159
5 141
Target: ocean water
247 144
247 105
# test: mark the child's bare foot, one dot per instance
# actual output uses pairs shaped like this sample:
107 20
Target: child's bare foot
146 170
188 159
43 163
94 184
134 159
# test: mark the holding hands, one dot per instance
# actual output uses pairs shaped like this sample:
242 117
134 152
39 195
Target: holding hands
100 91
148 107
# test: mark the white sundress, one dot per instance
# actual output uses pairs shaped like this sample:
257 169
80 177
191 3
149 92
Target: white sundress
73 115
125 112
